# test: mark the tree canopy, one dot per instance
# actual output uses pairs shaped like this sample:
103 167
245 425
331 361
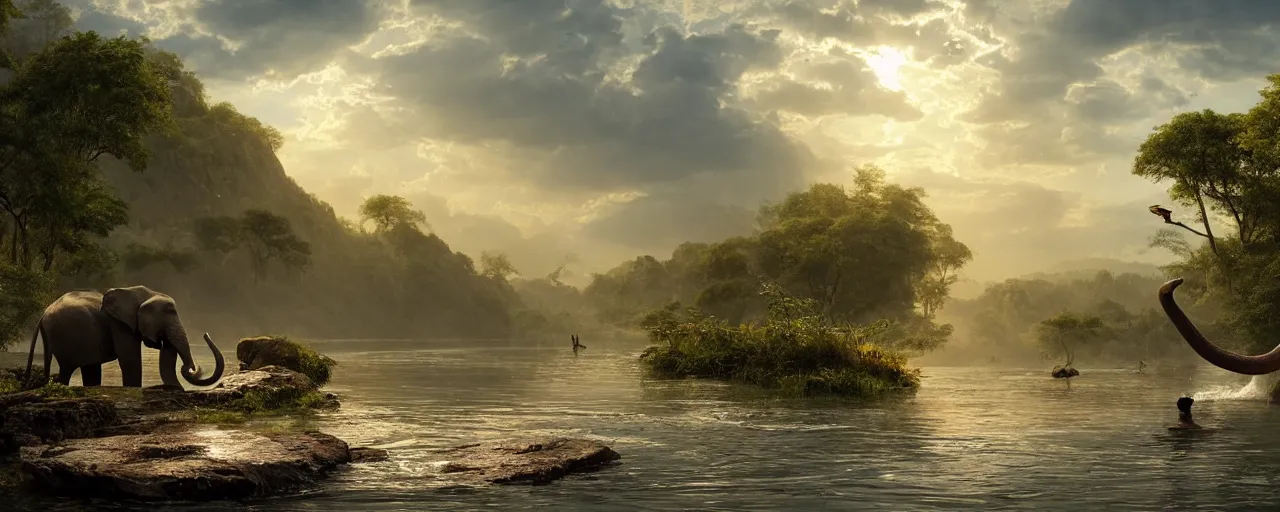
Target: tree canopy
1226 169
872 252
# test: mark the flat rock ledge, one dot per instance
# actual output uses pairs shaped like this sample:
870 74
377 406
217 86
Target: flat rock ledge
536 462
194 465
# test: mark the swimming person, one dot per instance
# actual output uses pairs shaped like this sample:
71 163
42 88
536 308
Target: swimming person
1184 415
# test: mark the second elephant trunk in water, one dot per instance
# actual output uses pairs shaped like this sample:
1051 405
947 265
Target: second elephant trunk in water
177 346
1230 361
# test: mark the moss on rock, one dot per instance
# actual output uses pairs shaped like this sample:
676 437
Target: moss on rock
263 351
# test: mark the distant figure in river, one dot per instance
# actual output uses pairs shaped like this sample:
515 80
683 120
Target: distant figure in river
1142 365
576 344
1184 415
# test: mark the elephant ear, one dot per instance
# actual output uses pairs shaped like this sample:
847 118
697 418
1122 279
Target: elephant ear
123 303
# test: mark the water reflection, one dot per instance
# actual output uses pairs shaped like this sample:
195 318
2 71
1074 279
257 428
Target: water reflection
972 439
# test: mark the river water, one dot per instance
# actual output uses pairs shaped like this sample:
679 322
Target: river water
971 439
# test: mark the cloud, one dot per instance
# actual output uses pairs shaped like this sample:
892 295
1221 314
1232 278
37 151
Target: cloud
603 128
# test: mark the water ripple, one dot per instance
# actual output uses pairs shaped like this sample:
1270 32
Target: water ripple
972 439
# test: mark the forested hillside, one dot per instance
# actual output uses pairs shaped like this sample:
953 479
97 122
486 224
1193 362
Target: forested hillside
214 220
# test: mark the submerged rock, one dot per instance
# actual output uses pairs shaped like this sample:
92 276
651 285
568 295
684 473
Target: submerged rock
190 464
524 462
1064 372
359 455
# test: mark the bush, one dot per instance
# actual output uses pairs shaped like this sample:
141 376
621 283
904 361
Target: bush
795 350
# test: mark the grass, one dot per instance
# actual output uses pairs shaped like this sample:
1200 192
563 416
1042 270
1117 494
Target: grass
281 351
795 351
256 404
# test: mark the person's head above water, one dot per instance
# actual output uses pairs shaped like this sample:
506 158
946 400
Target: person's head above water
1184 404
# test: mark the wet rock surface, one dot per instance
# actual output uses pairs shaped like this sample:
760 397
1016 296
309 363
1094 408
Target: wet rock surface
536 462
195 464
359 455
28 419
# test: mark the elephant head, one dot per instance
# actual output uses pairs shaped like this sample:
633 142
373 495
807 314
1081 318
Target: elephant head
1230 361
154 317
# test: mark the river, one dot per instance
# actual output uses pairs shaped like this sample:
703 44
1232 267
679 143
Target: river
971 439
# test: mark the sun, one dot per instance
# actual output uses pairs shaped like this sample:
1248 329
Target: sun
886 62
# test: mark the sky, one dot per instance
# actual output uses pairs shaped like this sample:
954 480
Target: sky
588 132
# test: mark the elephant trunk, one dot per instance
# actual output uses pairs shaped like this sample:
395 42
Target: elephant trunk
1230 361
177 346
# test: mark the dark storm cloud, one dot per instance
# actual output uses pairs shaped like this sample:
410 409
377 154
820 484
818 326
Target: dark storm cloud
674 118
1222 39
282 37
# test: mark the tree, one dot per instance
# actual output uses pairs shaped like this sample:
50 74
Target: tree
495 265
263 235
1227 167
1068 330
68 105
387 211
949 256
267 237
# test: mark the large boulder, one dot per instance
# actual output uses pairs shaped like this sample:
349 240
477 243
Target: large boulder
191 464
263 351
523 462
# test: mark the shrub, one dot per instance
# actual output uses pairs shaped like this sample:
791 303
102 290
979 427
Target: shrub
280 351
795 350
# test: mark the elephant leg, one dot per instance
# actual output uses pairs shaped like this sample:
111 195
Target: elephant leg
64 374
91 375
128 352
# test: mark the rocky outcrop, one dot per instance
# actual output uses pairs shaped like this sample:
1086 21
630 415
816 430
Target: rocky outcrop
523 462
1064 372
29 418
187 464
266 351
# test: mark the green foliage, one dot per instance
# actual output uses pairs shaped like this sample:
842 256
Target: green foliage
796 350
264 236
1227 169
232 123
1066 330
387 212
292 355
873 252
24 293
259 403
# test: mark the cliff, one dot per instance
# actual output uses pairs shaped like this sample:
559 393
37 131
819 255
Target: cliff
221 163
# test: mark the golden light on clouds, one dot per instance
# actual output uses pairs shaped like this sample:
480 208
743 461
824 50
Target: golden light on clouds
886 62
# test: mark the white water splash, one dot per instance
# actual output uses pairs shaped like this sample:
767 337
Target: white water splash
1258 388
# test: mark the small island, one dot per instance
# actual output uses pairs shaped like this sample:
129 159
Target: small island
796 350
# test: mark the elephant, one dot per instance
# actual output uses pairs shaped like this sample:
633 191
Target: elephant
1229 361
85 329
